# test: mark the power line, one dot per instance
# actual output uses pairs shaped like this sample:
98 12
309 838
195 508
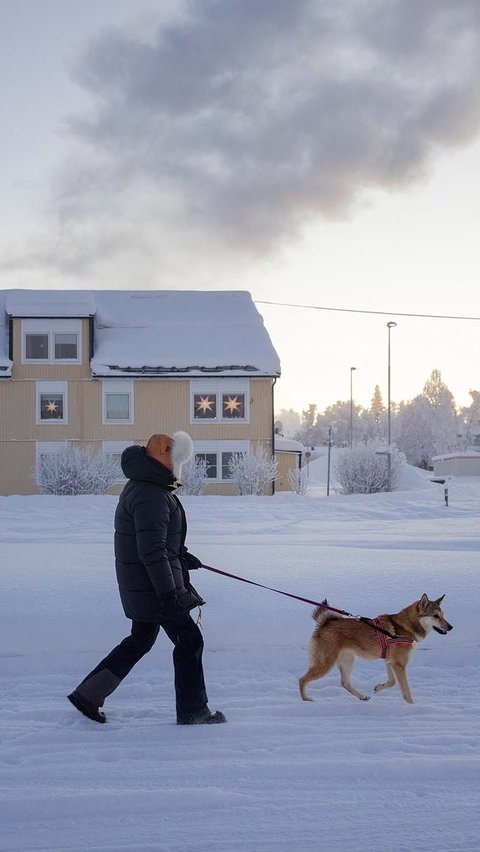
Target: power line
359 311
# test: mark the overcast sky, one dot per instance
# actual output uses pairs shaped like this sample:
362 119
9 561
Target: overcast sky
310 151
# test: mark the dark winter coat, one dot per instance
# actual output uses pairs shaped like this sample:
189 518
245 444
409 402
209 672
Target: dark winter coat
150 530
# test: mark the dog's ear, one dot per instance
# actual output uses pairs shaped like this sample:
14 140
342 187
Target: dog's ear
439 600
423 603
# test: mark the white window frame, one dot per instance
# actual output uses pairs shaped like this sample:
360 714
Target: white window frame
116 448
219 447
219 387
51 327
53 388
124 386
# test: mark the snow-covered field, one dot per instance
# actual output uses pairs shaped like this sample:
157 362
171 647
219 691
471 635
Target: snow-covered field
282 775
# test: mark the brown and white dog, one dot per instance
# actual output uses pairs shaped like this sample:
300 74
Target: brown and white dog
337 641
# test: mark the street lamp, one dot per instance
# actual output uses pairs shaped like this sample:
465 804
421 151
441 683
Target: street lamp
351 405
390 325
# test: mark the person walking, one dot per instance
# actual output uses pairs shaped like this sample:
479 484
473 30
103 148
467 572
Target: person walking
152 566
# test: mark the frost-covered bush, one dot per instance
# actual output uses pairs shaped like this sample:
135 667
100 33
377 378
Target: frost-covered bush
252 472
298 480
363 469
75 470
194 477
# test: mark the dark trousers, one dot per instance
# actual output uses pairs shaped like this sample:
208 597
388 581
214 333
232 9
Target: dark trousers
187 640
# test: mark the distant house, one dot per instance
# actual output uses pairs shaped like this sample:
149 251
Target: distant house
457 464
109 368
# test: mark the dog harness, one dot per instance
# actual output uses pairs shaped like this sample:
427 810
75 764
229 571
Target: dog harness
385 641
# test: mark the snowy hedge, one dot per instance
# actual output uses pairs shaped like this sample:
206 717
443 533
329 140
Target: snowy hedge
75 470
194 477
252 472
363 469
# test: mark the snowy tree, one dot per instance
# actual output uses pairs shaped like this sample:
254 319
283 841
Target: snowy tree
251 473
427 425
338 416
375 418
377 407
364 469
468 427
413 432
194 477
308 432
75 471
442 405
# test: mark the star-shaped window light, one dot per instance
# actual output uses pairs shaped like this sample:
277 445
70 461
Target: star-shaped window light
205 405
233 406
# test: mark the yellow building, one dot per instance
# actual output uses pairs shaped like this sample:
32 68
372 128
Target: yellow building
109 368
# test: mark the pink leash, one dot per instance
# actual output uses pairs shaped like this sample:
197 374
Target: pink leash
367 621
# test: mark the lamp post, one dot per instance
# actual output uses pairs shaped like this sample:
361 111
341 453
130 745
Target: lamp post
351 405
330 443
390 325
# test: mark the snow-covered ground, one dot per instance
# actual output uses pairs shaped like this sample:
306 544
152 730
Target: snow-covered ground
282 775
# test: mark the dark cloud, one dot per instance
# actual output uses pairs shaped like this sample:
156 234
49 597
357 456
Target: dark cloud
249 118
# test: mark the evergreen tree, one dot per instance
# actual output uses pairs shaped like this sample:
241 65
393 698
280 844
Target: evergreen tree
377 407
374 418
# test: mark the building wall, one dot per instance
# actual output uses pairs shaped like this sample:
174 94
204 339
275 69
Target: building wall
160 405
457 466
50 372
287 461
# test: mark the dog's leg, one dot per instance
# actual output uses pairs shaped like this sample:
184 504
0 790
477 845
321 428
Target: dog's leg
345 663
400 672
388 683
316 670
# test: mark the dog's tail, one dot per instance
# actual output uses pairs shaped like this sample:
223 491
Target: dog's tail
321 614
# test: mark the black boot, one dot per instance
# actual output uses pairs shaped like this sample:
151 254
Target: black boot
202 717
86 707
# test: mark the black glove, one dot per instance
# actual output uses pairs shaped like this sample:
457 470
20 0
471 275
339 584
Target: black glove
191 561
171 608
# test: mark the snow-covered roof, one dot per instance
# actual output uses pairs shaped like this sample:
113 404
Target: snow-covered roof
160 332
49 303
459 455
288 445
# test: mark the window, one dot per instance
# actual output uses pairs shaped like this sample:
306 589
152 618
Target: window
211 460
219 401
117 401
54 341
217 455
52 402
36 347
115 450
65 347
49 448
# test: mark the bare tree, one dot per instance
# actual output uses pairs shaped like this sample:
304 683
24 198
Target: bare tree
298 481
